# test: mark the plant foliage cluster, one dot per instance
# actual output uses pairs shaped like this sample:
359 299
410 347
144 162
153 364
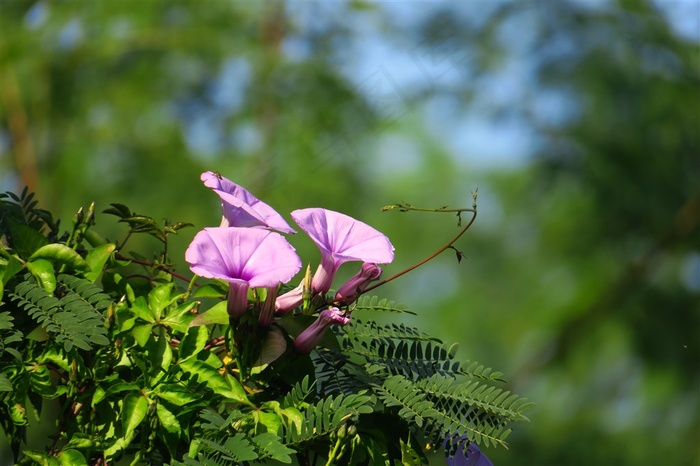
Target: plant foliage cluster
107 338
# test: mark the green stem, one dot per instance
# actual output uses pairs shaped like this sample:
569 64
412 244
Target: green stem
331 455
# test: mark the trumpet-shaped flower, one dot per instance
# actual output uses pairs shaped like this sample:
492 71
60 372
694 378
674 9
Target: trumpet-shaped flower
244 257
357 284
341 239
312 335
242 209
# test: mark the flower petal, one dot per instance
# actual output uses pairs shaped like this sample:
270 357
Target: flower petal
241 208
343 237
260 257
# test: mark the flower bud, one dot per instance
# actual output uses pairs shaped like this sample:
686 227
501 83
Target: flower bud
309 338
349 292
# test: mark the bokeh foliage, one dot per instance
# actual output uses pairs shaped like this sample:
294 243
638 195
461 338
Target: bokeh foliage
582 278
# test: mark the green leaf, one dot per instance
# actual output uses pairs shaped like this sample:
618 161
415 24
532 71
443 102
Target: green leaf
210 291
216 315
180 317
273 448
134 410
409 456
271 421
62 254
160 355
5 384
141 310
81 441
194 341
142 333
24 239
176 226
225 385
97 258
43 271
167 419
71 457
120 210
40 458
107 388
8 268
176 394
159 298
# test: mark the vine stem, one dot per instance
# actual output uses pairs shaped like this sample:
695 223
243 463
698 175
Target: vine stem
433 255
151 264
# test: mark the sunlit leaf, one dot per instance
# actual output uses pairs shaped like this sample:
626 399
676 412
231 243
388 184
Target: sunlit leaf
61 254
134 410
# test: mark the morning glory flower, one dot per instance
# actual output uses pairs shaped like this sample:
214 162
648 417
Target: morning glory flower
471 457
242 209
312 335
244 257
357 284
341 239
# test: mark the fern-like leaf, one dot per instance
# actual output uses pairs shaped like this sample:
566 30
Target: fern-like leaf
9 335
299 393
72 320
326 416
376 304
398 391
478 411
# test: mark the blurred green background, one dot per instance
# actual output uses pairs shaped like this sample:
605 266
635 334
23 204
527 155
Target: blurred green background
578 121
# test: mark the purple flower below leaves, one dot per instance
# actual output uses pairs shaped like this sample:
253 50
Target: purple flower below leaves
462 453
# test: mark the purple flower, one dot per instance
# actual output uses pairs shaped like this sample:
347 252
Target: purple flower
312 335
341 239
471 457
244 257
242 209
267 311
357 284
290 300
